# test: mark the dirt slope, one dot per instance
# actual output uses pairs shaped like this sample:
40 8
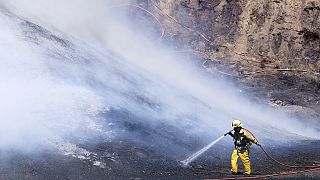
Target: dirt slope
271 47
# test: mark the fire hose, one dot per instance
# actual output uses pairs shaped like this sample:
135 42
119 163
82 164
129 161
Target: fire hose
277 161
284 164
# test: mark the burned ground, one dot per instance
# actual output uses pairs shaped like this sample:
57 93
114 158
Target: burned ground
141 162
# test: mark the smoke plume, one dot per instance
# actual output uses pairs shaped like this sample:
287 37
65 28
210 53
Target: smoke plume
91 69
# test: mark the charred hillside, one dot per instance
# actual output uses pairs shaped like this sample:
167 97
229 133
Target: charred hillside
88 91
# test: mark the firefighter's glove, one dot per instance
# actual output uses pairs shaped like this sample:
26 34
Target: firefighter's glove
228 133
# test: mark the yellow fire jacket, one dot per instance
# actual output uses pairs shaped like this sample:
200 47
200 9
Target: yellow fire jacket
243 140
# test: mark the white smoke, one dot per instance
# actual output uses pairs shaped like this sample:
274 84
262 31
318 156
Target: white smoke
49 90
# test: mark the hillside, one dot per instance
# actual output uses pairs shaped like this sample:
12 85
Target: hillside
270 47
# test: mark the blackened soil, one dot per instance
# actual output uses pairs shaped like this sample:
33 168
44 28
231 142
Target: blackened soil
140 163
290 90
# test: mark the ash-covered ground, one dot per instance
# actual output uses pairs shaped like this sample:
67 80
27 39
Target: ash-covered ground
126 160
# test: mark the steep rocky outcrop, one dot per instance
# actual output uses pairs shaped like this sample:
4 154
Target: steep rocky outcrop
272 45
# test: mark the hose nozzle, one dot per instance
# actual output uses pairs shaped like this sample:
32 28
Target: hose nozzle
228 133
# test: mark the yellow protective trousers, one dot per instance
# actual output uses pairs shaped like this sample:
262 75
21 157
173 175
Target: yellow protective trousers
244 156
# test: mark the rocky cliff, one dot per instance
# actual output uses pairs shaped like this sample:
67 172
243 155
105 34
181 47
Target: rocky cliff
272 45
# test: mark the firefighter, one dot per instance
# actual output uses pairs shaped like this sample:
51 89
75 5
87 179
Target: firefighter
243 139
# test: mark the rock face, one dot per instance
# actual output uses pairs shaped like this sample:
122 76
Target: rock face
251 39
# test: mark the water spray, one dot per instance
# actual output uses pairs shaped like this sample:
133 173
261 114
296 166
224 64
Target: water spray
194 156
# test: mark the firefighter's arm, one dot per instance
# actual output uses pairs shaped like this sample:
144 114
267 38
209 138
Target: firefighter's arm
229 133
251 137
